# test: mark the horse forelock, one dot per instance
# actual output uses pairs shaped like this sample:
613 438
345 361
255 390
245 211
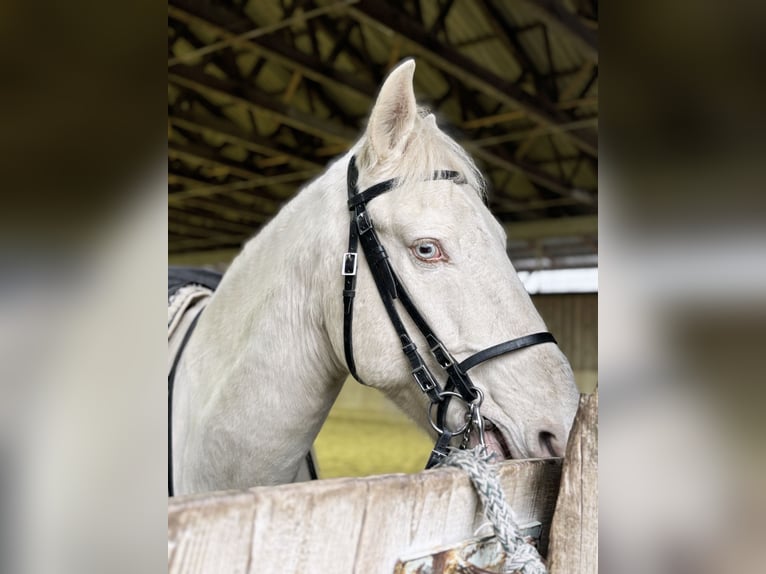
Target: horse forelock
427 149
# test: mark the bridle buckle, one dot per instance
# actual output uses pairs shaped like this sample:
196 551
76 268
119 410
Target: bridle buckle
442 356
349 264
363 223
424 379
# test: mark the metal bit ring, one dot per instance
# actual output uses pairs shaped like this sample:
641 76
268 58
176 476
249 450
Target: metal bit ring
434 426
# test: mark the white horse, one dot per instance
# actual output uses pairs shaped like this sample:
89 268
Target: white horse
266 360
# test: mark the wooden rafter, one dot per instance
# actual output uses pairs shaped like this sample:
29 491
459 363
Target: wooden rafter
451 61
216 18
249 184
282 93
251 97
555 14
232 39
206 222
230 132
195 79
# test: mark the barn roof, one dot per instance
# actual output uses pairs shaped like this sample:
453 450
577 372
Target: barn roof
263 93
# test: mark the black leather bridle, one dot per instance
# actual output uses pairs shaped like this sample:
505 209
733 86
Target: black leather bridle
390 288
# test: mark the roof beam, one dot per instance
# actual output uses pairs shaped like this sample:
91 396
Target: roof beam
250 179
379 14
222 21
235 205
251 97
536 132
441 18
502 160
232 39
507 206
274 204
508 37
201 155
236 214
231 133
504 117
209 241
556 227
174 227
181 220
555 14
208 257
194 79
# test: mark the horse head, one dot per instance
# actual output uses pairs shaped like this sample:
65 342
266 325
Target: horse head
449 253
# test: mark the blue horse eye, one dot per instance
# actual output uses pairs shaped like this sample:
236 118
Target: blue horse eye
427 250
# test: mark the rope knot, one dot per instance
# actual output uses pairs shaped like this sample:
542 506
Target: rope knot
521 556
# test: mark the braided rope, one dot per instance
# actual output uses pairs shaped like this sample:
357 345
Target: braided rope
521 556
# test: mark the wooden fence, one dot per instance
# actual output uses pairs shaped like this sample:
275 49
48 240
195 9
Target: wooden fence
373 525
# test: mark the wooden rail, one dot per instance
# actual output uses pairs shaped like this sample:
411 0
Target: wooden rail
344 525
379 524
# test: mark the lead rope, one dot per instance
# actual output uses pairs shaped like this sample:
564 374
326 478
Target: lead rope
521 556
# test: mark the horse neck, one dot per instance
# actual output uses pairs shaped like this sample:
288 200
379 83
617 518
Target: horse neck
261 355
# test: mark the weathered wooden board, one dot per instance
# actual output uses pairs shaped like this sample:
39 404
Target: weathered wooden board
344 525
574 532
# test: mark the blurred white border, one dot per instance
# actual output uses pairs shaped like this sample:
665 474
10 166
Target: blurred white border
560 281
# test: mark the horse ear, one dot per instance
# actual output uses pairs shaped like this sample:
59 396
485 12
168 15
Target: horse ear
394 113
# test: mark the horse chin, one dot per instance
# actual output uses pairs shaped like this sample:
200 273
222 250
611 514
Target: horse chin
494 440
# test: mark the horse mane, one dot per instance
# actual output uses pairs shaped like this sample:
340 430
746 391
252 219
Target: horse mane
427 149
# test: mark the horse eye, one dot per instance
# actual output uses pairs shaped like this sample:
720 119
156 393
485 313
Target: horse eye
427 250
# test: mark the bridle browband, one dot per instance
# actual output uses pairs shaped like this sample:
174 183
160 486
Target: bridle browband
362 232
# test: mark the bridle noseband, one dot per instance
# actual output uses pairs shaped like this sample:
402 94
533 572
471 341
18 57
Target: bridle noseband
362 232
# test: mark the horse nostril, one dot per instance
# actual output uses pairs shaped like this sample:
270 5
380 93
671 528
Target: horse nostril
547 444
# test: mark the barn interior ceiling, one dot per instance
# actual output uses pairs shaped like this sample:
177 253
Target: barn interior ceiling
262 94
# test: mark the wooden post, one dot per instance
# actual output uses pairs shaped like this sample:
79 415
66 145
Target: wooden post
574 531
